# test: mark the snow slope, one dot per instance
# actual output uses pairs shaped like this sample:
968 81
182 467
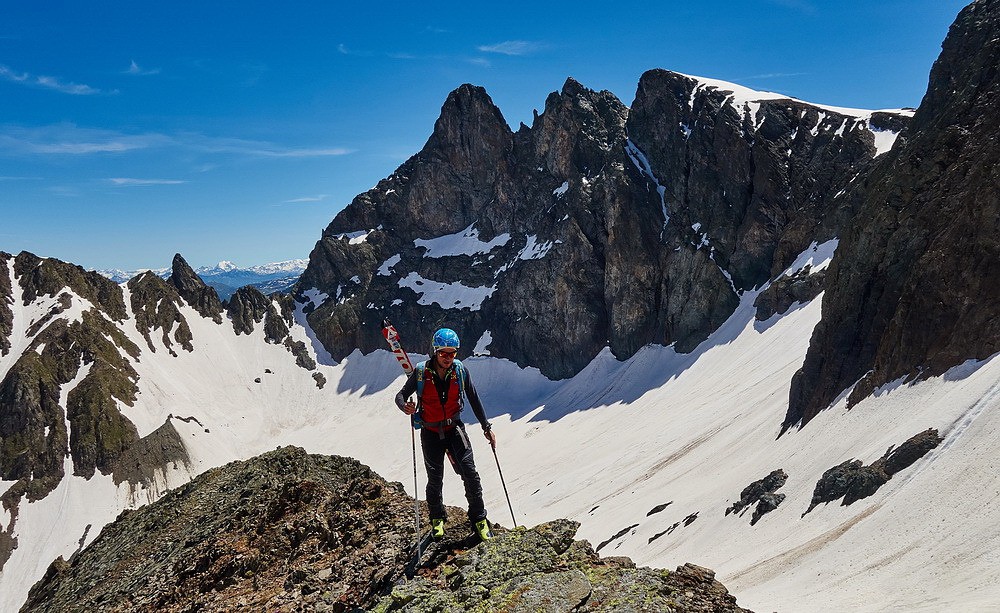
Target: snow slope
605 448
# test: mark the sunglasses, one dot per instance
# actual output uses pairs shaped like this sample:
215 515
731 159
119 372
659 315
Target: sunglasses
446 352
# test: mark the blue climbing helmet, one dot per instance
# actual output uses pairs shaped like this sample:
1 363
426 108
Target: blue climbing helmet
445 338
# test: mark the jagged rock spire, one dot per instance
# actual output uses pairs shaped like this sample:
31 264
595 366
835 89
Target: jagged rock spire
202 297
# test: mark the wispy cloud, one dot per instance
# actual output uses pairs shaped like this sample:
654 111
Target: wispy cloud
67 139
239 146
142 182
479 61
135 69
513 47
317 198
45 82
773 75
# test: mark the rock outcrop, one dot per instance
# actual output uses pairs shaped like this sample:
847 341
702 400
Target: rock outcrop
156 306
785 291
598 226
33 425
289 531
763 493
248 307
914 289
6 300
49 277
852 480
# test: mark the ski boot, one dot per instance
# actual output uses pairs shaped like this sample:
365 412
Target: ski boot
437 529
483 530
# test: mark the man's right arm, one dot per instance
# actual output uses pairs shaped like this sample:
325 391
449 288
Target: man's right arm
408 389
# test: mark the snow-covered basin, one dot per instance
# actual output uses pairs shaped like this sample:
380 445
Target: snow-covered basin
605 448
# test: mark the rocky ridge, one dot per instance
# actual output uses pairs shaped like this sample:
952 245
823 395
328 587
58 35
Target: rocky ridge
290 531
599 225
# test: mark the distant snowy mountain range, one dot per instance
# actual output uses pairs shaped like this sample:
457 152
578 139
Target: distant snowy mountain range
226 277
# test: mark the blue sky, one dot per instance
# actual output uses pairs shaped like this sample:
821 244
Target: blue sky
237 130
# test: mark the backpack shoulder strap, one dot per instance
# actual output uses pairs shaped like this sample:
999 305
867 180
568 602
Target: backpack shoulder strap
419 369
460 373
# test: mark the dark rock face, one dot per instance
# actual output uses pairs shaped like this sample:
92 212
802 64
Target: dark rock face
915 286
598 226
248 307
763 493
853 481
912 450
319 379
195 292
301 353
291 531
785 291
848 480
757 179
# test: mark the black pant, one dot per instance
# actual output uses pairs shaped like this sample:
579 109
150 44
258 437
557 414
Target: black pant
457 442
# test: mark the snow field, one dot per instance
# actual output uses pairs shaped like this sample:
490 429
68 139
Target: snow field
605 448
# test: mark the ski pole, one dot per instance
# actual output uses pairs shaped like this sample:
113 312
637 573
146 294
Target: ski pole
416 491
504 484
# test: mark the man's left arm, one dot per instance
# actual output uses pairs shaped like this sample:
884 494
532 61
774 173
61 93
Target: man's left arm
477 409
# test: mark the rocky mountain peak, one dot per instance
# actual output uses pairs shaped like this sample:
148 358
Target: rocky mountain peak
571 87
196 292
49 276
579 131
470 132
